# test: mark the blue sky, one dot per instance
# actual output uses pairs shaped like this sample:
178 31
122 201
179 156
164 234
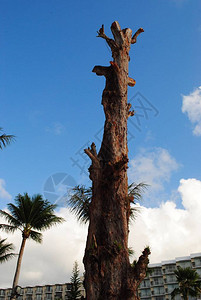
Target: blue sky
47 53
51 100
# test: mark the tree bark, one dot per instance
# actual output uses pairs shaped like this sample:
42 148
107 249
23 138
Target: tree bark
18 267
109 274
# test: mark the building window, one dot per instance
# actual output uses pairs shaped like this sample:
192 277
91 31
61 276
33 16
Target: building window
49 288
39 289
68 286
29 290
59 288
159 298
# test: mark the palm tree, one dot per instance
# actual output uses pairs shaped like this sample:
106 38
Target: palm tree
80 200
5 251
189 283
5 139
30 216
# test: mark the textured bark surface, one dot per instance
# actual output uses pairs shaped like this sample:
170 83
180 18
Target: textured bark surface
109 274
18 267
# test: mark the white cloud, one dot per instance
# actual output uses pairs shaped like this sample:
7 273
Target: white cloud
191 105
57 128
168 230
3 193
152 167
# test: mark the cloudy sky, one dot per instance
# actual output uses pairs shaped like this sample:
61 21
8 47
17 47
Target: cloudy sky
51 101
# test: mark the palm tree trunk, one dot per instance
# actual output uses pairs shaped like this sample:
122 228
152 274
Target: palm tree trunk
18 267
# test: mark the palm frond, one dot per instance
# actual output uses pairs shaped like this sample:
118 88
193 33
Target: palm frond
36 236
8 228
79 202
134 211
6 139
130 251
49 221
175 292
136 190
9 218
5 251
189 281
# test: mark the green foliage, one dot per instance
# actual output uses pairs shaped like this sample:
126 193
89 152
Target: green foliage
5 139
130 252
30 215
189 283
136 190
5 251
75 281
80 200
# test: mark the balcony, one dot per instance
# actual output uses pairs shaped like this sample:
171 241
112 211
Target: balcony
145 296
58 288
48 289
169 269
158 292
156 274
39 290
29 291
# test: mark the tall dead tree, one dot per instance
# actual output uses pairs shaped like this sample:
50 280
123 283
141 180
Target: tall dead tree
109 274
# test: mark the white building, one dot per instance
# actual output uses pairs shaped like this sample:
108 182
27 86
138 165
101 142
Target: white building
159 284
45 292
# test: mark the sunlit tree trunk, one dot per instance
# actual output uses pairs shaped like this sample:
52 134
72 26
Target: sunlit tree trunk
18 267
109 274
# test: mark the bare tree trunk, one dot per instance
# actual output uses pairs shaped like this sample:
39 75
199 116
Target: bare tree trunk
17 271
109 274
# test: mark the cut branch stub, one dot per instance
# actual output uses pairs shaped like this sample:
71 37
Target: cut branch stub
132 112
117 33
131 81
121 37
91 152
110 42
134 38
101 71
140 268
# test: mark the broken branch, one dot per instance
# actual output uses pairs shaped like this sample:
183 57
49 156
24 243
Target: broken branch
110 42
131 113
100 71
117 33
131 81
92 153
140 268
134 38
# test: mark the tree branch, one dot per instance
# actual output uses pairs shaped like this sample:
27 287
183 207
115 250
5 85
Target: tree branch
117 33
100 71
110 42
91 152
132 112
140 268
131 81
134 38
